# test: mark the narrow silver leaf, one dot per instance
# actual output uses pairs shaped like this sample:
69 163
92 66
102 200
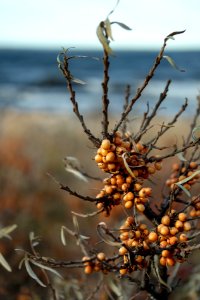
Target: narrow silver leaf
196 133
124 26
32 273
4 232
4 263
172 63
45 268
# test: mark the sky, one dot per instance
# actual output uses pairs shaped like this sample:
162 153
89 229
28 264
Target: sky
52 24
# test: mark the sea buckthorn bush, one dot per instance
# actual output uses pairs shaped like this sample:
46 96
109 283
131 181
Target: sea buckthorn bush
158 230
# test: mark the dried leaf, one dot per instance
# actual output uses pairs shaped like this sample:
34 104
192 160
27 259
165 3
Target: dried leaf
172 63
108 28
124 26
196 133
127 166
4 263
31 272
102 38
171 35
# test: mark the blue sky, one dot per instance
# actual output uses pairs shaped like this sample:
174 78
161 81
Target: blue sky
57 23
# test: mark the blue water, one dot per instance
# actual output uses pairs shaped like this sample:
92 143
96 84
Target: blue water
31 81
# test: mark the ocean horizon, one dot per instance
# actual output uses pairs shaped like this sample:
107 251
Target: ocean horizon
31 81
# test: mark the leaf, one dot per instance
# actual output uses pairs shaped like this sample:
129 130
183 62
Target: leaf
62 235
196 133
102 229
114 8
171 35
72 165
79 81
172 63
180 156
45 267
87 215
4 263
127 166
108 28
102 38
186 180
31 272
124 26
4 232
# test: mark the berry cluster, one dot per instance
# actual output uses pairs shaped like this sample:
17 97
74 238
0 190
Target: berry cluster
129 167
180 173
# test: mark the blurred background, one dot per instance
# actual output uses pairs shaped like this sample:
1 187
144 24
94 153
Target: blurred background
37 125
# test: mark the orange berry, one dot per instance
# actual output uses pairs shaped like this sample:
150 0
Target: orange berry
130 220
153 237
165 220
124 236
129 196
108 189
140 207
163 244
101 256
151 170
122 250
111 167
173 240
99 205
137 234
165 253
123 271
143 226
175 167
137 187
183 237
106 144
148 191
139 259
163 261
170 262
128 204
164 230
193 165
187 226
88 269
178 224
182 217
158 165
173 231
135 244
110 157
98 158
125 187
129 179
104 152
139 147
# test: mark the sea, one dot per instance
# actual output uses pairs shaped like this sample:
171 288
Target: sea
30 80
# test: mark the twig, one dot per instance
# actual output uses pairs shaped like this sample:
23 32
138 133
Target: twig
65 70
146 81
105 100
149 118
